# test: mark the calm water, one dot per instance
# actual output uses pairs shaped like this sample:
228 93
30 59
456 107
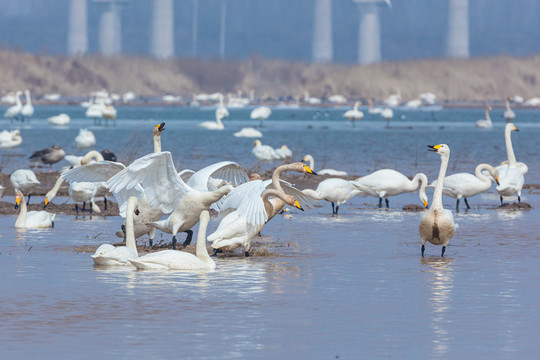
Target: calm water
353 286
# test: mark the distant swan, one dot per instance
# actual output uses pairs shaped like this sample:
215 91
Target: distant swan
387 114
28 109
437 224
85 139
179 260
260 113
509 114
485 123
31 219
511 178
62 119
213 125
388 182
354 114
248 132
264 152
373 110
332 172
15 110
9 139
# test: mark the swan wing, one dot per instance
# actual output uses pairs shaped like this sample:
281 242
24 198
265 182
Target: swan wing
305 200
186 174
246 198
157 175
93 172
226 170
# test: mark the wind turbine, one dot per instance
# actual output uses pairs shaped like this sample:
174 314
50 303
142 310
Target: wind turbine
369 30
322 31
457 45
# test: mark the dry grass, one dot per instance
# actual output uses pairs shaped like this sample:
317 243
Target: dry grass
451 79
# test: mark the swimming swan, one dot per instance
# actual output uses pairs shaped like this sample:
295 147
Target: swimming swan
31 219
437 224
9 139
511 178
85 139
62 119
387 182
264 152
509 114
485 123
179 260
308 158
248 132
213 125
109 255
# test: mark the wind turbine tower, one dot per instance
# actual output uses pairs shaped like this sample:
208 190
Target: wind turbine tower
457 45
110 27
163 29
369 31
322 31
78 27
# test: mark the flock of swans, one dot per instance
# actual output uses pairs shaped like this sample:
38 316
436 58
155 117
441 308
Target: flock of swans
153 195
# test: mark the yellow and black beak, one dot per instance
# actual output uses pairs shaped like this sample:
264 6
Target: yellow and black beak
497 180
297 204
425 204
434 148
17 202
161 127
137 212
309 171
515 128
46 203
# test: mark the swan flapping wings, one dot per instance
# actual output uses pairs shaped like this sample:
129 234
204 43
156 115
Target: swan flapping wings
157 175
229 171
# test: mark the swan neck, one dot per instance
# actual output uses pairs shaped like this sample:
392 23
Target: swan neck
437 194
130 229
311 161
201 251
509 148
21 219
313 193
274 206
157 143
18 100
480 175
218 120
277 174
92 155
420 180
52 193
507 105
356 106
487 115
28 98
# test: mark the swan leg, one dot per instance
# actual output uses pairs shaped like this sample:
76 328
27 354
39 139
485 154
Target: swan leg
519 198
337 209
28 202
380 202
105 201
50 168
123 228
174 242
246 253
217 251
423 249
466 203
457 205
151 236
386 202
77 208
501 201
52 224
188 239
333 209
443 250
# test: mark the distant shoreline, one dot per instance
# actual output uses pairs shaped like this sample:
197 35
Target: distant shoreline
469 81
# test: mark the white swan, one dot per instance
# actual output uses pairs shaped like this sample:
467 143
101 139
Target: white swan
31 219
260 113
336 191
264 152
221 110
109 255
485 123
283 152
24 181
465 185
83 192
509 114
373 110
94 109
387 114
85 139
387 182
354 114
394 99
9 139
437 224
511 178
311 100
534 101
28 109
61 120
428 98
248 132
109 112
414 103
248 208
213 125
163 186
179 260
308 158
15 110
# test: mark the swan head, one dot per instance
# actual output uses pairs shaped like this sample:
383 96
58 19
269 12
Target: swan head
290 200
511 127
46 202
158 129
441 149
255 176
424 199
303 168
18 198
257 143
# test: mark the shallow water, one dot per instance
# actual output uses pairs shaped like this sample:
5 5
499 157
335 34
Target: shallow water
352 286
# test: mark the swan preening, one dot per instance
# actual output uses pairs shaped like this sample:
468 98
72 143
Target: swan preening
308 158
511 177
179 260
9 139
437 224
465 185
31 219
387 182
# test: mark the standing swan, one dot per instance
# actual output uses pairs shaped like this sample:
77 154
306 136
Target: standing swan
354 114
28 109
437 224
109 255
31 219
509 114
179 260
14 111
337 191
511 177
464 185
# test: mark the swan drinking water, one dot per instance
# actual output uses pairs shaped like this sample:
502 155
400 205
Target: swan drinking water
437 224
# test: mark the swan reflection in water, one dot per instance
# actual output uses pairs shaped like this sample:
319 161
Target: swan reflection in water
440 279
